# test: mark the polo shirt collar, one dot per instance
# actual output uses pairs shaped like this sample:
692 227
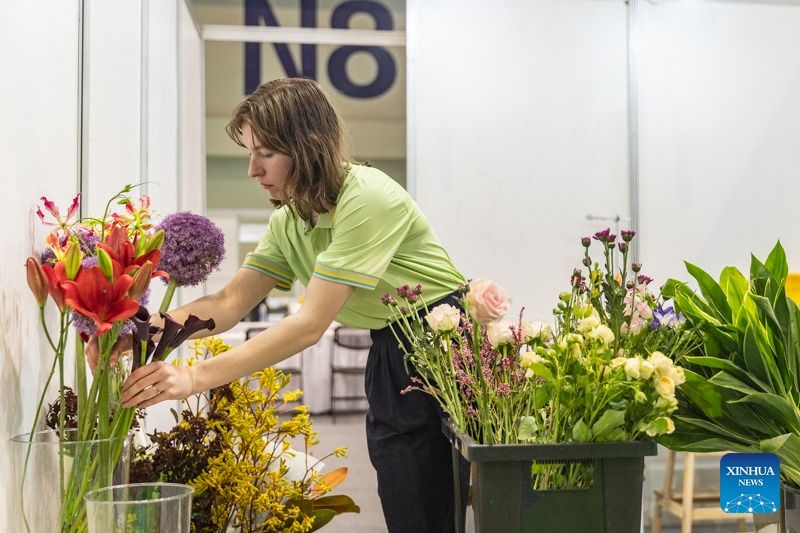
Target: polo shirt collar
325 220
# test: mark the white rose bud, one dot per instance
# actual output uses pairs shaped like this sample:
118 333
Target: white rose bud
528 359
499 333
587 324
646 369
536 329
665 387
603 333
678 375
443 318
632 367
670 404
662 364
617 361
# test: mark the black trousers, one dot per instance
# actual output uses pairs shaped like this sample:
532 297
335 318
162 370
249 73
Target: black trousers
406 446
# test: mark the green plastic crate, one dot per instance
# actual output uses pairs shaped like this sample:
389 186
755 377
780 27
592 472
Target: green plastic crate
505 502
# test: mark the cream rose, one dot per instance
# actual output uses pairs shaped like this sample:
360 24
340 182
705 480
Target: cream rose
499 333
662 363
665 387
632 367
443 318
646 369
678 376
603 333
536 329
486 301
587 324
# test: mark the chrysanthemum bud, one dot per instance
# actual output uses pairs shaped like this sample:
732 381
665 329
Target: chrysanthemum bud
623 247
587 261
586 241
636 267
37 280
627 235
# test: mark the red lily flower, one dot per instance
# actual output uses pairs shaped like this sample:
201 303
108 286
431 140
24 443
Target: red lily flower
55 277
94 296
123 251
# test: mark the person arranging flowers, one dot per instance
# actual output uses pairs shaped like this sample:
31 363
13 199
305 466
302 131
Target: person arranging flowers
347 232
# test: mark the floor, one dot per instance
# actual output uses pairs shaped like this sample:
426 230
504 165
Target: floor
361 485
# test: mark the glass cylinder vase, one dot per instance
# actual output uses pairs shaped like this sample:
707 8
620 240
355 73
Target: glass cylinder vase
140 508
53 475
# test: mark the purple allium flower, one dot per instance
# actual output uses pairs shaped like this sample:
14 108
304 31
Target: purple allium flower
586 241
636 267
87 239
193 248
47 257
644 279
623 247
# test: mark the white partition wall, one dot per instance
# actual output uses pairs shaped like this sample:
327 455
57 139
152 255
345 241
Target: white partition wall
38 151
130 118
517 130
719 131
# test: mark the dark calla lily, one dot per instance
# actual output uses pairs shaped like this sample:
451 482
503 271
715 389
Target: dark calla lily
171 329
192 325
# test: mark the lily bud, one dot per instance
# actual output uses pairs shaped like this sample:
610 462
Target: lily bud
37 280
104 261
72 260
141 279
154 242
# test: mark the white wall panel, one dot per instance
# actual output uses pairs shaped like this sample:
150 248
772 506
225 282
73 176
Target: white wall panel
114 64
719 131
517 126
38 151
192 138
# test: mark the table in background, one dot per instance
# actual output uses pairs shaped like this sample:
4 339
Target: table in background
316 366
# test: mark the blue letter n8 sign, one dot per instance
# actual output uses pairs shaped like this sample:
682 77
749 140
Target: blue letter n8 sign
258 12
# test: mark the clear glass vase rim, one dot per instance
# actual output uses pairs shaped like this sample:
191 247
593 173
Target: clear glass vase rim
90 496
24 438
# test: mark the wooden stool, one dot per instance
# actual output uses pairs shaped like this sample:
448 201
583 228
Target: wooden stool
685 505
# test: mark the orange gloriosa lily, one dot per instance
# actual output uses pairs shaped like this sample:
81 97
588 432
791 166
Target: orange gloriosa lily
104 301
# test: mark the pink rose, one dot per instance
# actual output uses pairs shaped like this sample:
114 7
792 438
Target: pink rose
486 301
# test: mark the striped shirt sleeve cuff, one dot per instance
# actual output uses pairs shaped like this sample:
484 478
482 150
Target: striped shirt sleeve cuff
261 264
348 277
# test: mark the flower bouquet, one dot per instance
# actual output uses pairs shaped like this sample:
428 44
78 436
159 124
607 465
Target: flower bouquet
97 272
233 449
525 391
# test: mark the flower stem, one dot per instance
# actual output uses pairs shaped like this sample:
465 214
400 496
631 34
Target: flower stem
167 300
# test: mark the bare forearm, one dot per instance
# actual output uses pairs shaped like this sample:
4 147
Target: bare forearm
210 306
291 335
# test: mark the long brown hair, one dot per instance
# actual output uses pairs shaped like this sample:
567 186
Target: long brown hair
293 116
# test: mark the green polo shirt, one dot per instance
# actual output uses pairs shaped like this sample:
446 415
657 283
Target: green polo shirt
376 239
